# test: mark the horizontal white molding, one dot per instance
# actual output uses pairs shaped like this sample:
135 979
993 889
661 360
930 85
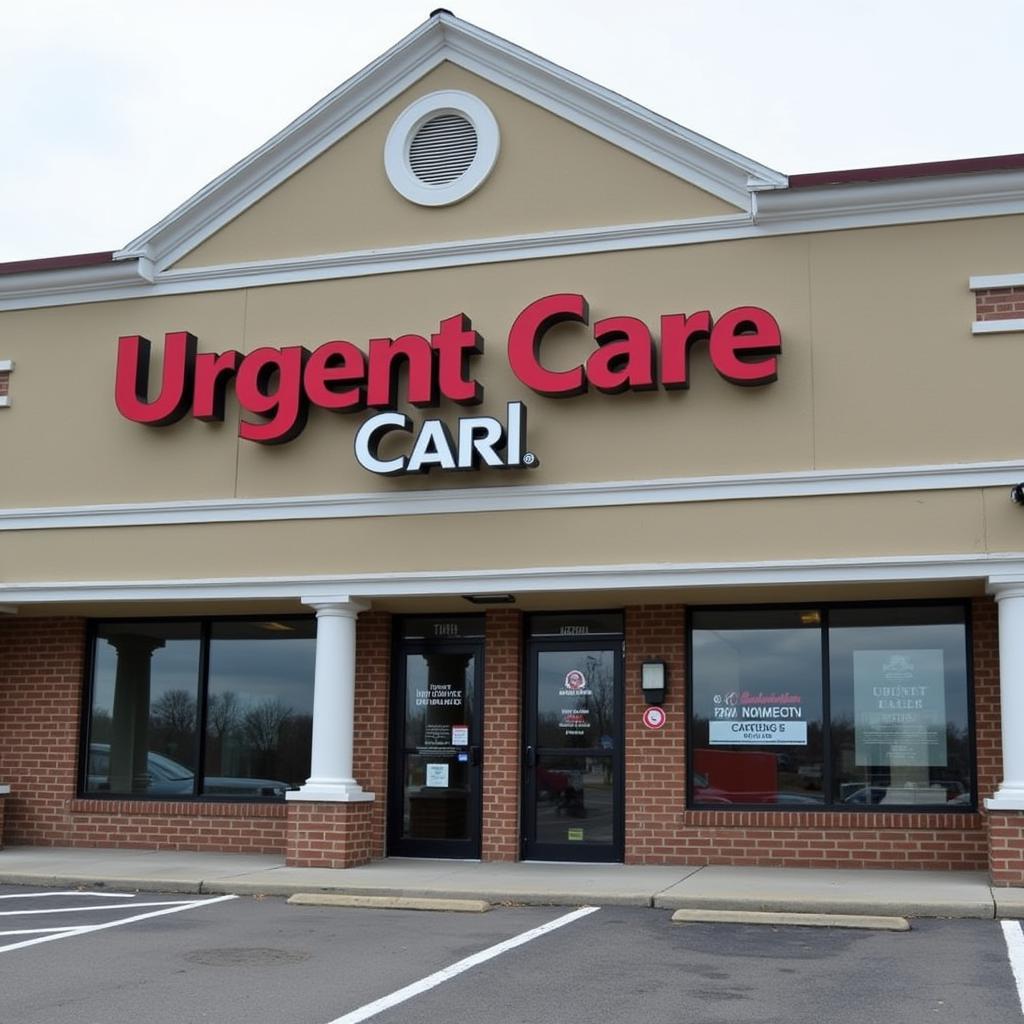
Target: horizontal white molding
996 281
996 326
1002 569
803 483
120 279
6 365
778 213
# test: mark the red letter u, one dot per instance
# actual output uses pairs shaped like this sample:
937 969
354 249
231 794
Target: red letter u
131 385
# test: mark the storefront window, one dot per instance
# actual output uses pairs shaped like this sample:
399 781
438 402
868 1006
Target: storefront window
757 699
842 707
200 708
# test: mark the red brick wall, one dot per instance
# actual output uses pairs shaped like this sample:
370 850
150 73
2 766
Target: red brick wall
660 831
655 780
167 825
502 730
999 303
42 672
1006 848
373 697
42 665
329 835
987 714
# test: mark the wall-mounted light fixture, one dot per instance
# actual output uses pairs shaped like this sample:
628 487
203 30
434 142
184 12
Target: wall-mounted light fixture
489 598
652 681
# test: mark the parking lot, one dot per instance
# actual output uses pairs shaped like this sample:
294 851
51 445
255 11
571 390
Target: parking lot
112 957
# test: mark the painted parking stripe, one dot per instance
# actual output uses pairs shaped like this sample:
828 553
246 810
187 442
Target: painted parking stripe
70 892
447 973
1015 950
90 910
88 929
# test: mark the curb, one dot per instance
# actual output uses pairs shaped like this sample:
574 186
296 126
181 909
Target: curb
330 899
865 921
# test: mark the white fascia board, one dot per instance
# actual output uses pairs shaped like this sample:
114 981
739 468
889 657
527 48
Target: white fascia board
1001 569
996 281
121 278
868 204
683 153
296 145
6 366
516 498
996 326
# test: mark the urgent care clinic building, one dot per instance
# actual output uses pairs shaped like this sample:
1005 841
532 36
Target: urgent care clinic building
487 467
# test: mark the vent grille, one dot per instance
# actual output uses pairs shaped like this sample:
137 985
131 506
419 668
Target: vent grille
443 149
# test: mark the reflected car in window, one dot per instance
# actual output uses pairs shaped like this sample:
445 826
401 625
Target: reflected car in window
168 778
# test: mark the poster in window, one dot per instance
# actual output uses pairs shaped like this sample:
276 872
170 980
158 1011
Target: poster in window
899 706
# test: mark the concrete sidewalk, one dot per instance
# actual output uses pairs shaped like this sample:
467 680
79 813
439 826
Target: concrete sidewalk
903 893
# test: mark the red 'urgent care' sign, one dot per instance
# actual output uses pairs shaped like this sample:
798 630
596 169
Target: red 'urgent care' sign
275 387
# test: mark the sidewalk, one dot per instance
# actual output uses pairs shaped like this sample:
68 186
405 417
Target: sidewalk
904 893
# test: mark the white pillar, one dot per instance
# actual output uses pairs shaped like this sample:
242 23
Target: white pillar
1010 795
334 697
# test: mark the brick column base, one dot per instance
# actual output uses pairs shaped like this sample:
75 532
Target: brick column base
329 835
1006 847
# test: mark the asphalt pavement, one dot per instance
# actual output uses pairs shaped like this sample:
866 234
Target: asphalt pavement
108 958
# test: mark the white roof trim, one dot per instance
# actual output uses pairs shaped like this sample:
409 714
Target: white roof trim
877 204
806 483
996 281
677 150
997 326
997 569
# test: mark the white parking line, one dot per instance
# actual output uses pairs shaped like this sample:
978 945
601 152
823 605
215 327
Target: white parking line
90 910
1015 950
87 929
70 892
433 980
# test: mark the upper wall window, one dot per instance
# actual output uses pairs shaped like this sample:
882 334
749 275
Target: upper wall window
839 707
441 148
200 709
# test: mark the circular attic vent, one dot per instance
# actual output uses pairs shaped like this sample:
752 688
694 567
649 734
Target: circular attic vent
441 148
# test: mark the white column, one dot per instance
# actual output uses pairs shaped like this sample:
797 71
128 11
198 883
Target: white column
1010 795
334 696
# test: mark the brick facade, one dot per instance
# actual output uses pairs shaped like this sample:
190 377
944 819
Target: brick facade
502 760
41 678
373 700
999 303
659 830
329 835
1006 847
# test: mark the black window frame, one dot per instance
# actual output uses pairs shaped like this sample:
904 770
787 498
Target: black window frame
205 623
827 806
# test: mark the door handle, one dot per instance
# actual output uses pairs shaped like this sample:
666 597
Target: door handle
531 757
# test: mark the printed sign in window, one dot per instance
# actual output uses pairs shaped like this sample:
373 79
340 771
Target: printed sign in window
899 702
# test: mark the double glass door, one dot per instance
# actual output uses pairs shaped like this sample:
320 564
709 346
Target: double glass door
436 740
572 799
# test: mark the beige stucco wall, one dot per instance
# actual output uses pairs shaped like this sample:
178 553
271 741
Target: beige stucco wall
879 368
550 174
735 531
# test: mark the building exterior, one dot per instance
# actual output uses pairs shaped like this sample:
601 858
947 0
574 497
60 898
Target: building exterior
489 468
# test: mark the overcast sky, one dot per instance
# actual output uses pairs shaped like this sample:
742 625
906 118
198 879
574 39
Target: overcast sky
114 112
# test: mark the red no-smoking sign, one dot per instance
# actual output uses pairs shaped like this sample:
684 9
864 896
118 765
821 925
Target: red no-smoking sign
654 717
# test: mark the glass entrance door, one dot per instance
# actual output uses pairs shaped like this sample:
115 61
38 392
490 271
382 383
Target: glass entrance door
572 801
436 747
